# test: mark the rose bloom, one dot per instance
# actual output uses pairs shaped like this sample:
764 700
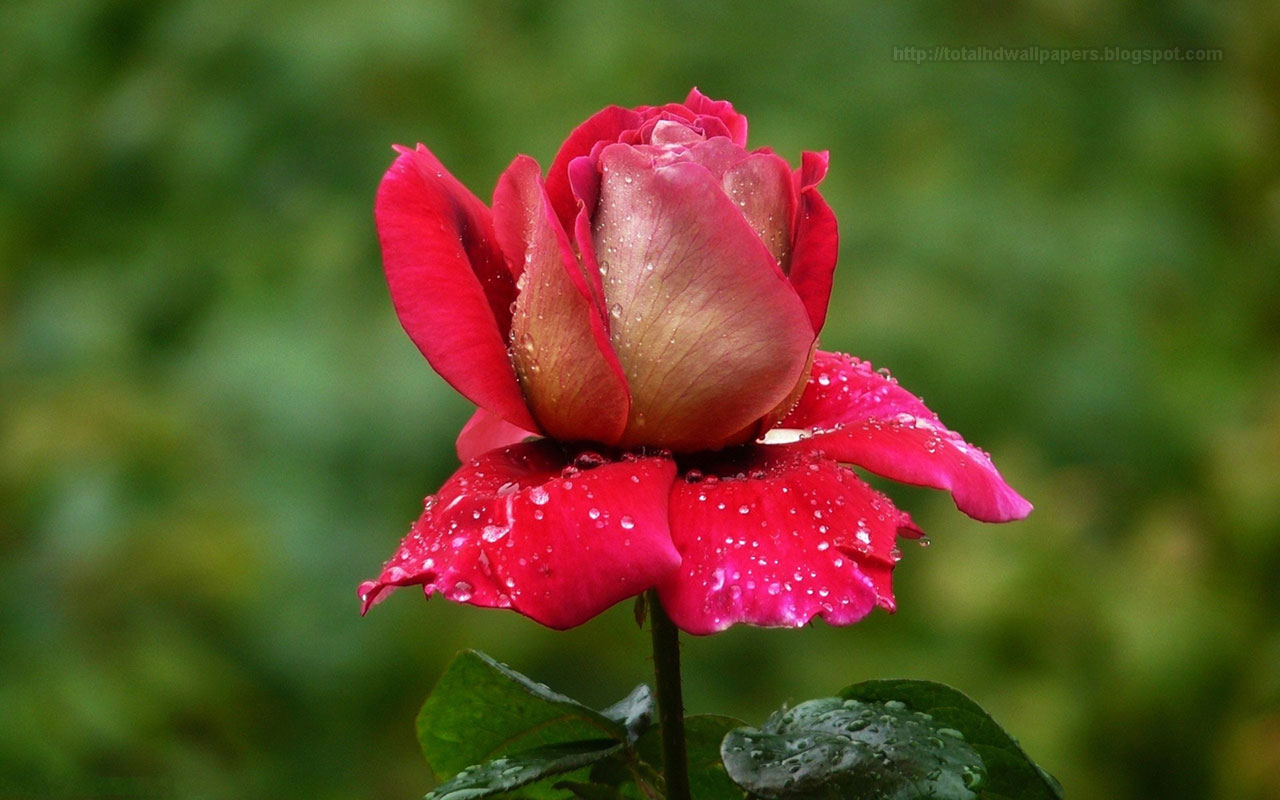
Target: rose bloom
649 311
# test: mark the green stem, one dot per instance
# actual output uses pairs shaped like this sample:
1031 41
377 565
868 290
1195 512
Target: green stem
666 670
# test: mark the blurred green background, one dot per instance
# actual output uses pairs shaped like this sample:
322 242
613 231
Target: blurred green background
212 427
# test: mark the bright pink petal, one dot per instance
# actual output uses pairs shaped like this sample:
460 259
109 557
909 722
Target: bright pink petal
485 432
448 281
699 103
605 125
707 328
558 538
816 242
585 181
860 416
789 537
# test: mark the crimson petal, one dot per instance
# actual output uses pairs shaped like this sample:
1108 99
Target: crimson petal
556 536
860 416
816 243
735 123
486 431
605 125
449 284
776 535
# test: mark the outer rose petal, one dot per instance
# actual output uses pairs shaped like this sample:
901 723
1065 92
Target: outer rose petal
523 528
860 416
707 329
448 282
816 242
793 537
568 371
605 125
485 432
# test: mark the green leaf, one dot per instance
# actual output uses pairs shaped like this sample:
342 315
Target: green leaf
634 712
480 710
521 769
1010 773
831 749
703 734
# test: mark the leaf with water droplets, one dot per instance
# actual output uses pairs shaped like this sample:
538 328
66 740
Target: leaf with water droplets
1010 773
521 769
832 748
634 712
482 710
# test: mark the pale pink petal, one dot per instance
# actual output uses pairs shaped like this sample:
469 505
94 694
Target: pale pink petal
707 328
567 369
486 431
718 155
761 186
776 536
557 537
860 416
450 287
605 125
816 241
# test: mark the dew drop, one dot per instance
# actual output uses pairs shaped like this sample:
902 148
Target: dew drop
627 522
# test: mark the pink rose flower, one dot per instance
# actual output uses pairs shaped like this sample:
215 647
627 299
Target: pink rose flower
650 312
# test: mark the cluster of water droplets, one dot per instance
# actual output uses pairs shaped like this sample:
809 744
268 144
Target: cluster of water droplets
855 748
781 544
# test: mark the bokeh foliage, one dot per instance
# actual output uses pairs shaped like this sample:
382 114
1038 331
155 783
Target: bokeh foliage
211 426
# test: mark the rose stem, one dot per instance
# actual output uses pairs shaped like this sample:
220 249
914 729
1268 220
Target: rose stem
666 671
